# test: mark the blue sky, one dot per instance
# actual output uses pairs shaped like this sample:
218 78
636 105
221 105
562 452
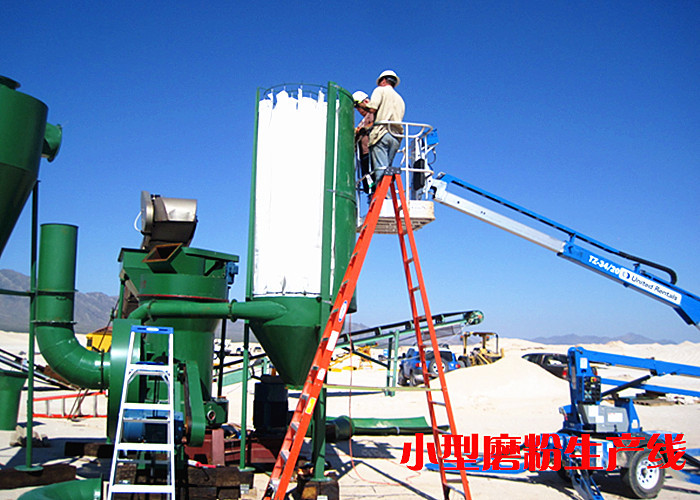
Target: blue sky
586 112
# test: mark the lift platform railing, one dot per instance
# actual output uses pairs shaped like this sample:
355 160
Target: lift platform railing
416 155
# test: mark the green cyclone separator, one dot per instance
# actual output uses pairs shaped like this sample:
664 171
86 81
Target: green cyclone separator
54 311
25 138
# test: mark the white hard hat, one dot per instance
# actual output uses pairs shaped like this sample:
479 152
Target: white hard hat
388 73
359 96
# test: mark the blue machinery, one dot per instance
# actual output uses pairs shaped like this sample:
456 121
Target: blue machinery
604 437
603 422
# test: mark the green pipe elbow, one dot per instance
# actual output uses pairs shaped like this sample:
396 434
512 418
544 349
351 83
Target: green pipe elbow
54 311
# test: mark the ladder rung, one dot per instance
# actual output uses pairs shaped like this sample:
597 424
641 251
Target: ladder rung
146 372
438 403
147 365
285 455
294 426
150 420
154 447
143 488
146 461
147 406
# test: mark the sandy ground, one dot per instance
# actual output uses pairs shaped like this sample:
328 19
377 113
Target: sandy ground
512 396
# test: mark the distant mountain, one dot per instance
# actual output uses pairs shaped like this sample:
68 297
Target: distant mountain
92 309
571 339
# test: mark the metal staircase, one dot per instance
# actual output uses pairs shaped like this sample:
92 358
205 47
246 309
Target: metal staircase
289 453
147 449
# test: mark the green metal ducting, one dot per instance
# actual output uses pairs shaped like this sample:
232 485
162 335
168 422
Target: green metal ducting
24 138
55 304
344 427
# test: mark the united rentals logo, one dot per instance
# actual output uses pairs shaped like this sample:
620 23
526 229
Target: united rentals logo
649 286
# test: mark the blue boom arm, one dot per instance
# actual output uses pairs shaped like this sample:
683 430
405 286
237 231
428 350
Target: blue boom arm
580 359
631 274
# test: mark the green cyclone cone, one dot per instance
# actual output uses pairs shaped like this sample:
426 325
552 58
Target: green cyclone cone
291 341
22 128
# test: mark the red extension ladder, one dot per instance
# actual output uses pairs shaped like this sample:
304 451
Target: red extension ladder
293 440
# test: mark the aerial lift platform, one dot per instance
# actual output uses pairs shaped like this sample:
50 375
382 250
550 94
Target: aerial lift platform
589 420
424 186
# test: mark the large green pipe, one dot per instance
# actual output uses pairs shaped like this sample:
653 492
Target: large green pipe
55 303
24 138
254 311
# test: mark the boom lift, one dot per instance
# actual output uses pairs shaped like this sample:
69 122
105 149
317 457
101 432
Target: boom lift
607 426
424 186
631 274
603 426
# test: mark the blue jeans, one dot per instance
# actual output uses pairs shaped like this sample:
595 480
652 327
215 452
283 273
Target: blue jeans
382 154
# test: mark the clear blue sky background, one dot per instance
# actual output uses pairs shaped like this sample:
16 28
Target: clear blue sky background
586 112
